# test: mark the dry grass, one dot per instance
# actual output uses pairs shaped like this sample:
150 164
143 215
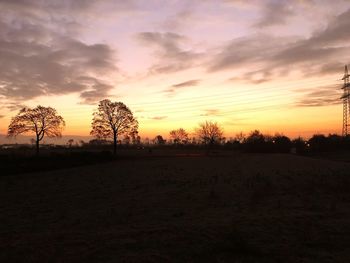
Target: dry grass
234 208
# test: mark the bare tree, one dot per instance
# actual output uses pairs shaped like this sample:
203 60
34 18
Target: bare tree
209 133
42 121
179 136
112 119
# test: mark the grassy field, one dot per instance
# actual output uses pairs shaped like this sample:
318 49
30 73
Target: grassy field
180 207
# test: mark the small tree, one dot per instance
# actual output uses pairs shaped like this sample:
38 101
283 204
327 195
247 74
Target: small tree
135 138
300 145
112 119
179 136
70 143
158 140
282 143
255 142
240 137
210 133
42 121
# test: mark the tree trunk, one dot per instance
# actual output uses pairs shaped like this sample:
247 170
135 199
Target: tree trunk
37 146
115 143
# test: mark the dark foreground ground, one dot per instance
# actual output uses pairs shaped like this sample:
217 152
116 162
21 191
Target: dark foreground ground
224 208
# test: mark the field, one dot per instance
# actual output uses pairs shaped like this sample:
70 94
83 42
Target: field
225 207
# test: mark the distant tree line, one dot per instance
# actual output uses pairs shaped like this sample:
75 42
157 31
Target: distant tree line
113 124
253 142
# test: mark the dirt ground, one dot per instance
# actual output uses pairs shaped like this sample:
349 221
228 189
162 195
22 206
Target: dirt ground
229 208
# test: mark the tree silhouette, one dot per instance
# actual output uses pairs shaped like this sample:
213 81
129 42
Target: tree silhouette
42 121
112 119
135 138
209 133
158 140
300 145
70 143
179 136
282 144
240 137
255 142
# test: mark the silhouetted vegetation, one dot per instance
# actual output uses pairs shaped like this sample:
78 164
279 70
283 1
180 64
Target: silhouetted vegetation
210 133
179 136
254 142
158 140
42 121
112 119
257 142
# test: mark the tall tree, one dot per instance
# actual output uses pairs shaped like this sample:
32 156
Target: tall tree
112 119
209 133
42 121
179 136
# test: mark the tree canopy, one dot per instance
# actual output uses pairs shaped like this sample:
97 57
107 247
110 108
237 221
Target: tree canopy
179 136
41 121
209 133
112 119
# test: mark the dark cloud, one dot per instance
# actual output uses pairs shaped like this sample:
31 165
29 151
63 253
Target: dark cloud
190 83
39 57
320 54
321 96
13 106
180 19
34 8
247 50
275 13
171 55
330 68
96 91
255 77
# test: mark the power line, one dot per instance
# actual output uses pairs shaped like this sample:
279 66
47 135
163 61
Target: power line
216 103
214 99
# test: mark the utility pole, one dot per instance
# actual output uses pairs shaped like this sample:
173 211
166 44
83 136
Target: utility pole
346 101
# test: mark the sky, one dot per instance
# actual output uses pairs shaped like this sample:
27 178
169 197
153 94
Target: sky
272 65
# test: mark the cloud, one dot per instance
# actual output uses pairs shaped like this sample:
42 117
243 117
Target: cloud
321 96
96 91
254 77
277 56
211 112
171 56
13 106
40 57
246 50
190 83
179 20
158 118
275 13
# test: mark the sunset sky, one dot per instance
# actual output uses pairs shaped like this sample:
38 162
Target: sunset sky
275 66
